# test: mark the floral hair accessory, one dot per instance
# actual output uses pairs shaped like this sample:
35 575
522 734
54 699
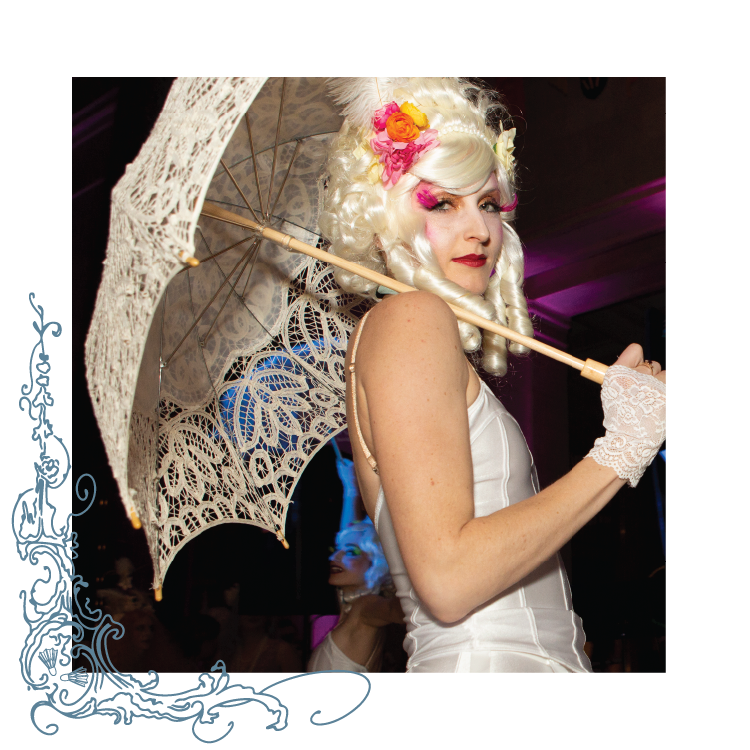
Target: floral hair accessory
402 134
504 149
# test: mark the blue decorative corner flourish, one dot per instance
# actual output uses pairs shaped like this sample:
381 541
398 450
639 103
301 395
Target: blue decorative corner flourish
62 626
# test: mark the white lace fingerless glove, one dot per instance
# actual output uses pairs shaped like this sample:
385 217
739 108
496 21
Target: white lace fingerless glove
635 407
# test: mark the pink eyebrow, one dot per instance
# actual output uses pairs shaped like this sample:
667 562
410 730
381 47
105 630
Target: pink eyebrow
426 198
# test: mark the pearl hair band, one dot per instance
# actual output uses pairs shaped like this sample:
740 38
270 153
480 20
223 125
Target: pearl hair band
468 131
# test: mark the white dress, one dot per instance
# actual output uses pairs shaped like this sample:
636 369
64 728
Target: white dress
328 656
530 627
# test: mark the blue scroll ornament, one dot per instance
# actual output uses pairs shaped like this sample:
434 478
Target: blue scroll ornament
63 627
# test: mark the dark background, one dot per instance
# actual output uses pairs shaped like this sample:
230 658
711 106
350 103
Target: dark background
591 155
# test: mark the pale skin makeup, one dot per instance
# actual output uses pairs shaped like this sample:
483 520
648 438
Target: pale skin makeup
465 232
413 389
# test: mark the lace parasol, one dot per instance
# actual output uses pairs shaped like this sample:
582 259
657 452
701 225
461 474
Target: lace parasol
214 385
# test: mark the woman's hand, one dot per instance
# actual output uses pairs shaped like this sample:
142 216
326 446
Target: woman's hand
634 399
633 357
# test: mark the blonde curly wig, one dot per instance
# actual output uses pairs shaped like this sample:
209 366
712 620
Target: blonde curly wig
378 229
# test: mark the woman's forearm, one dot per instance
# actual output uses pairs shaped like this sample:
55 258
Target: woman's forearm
491 553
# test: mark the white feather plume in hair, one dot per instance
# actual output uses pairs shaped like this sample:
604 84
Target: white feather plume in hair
360 98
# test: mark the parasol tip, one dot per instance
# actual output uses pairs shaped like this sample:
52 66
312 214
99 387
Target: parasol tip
157 594
282 539
189 259
135 520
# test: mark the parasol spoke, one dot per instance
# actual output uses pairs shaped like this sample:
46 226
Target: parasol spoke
240 298
255 161
276 147
250 273
214 256
203 311
239 189
288 170
252 251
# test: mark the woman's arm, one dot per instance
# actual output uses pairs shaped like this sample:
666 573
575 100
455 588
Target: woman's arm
413 378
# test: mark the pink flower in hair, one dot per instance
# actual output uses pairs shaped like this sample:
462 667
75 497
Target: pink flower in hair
398 158
382 115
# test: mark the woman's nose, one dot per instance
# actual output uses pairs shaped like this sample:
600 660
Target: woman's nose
476 228
336 556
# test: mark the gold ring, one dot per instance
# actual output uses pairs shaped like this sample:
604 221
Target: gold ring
649 364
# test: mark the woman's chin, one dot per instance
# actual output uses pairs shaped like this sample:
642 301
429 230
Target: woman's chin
472 280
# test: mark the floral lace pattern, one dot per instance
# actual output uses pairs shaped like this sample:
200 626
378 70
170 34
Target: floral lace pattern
635 408
218 429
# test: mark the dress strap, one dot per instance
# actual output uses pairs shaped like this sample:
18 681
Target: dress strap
376 650
370 459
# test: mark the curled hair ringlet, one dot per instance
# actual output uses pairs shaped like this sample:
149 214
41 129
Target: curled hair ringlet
367 224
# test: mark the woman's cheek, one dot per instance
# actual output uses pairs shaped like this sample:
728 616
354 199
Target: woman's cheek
434 232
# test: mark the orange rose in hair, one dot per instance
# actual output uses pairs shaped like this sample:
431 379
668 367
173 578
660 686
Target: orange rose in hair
401 128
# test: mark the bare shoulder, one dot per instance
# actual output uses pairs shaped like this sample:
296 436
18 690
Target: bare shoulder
413 307
409 327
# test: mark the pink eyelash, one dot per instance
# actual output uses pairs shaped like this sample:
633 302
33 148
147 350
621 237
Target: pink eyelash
510 206
426 198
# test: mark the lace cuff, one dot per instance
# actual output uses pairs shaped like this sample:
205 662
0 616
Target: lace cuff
635 408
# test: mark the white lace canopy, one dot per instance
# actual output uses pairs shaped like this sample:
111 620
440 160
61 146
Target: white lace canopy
213 386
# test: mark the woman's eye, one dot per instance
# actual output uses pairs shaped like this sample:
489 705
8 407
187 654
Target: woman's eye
491 207
354 551
443 205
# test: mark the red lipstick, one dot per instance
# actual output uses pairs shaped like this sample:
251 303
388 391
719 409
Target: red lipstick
473 261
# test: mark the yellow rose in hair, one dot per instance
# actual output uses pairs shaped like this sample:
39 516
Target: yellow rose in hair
420 119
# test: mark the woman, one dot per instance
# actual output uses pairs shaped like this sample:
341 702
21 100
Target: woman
421 187
358 570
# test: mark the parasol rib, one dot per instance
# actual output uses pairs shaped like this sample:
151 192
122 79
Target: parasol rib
255 161
239 189
203 311
251 254
214 256
281 189
589 368
275 149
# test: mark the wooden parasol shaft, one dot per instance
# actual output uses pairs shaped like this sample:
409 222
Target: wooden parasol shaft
589 368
